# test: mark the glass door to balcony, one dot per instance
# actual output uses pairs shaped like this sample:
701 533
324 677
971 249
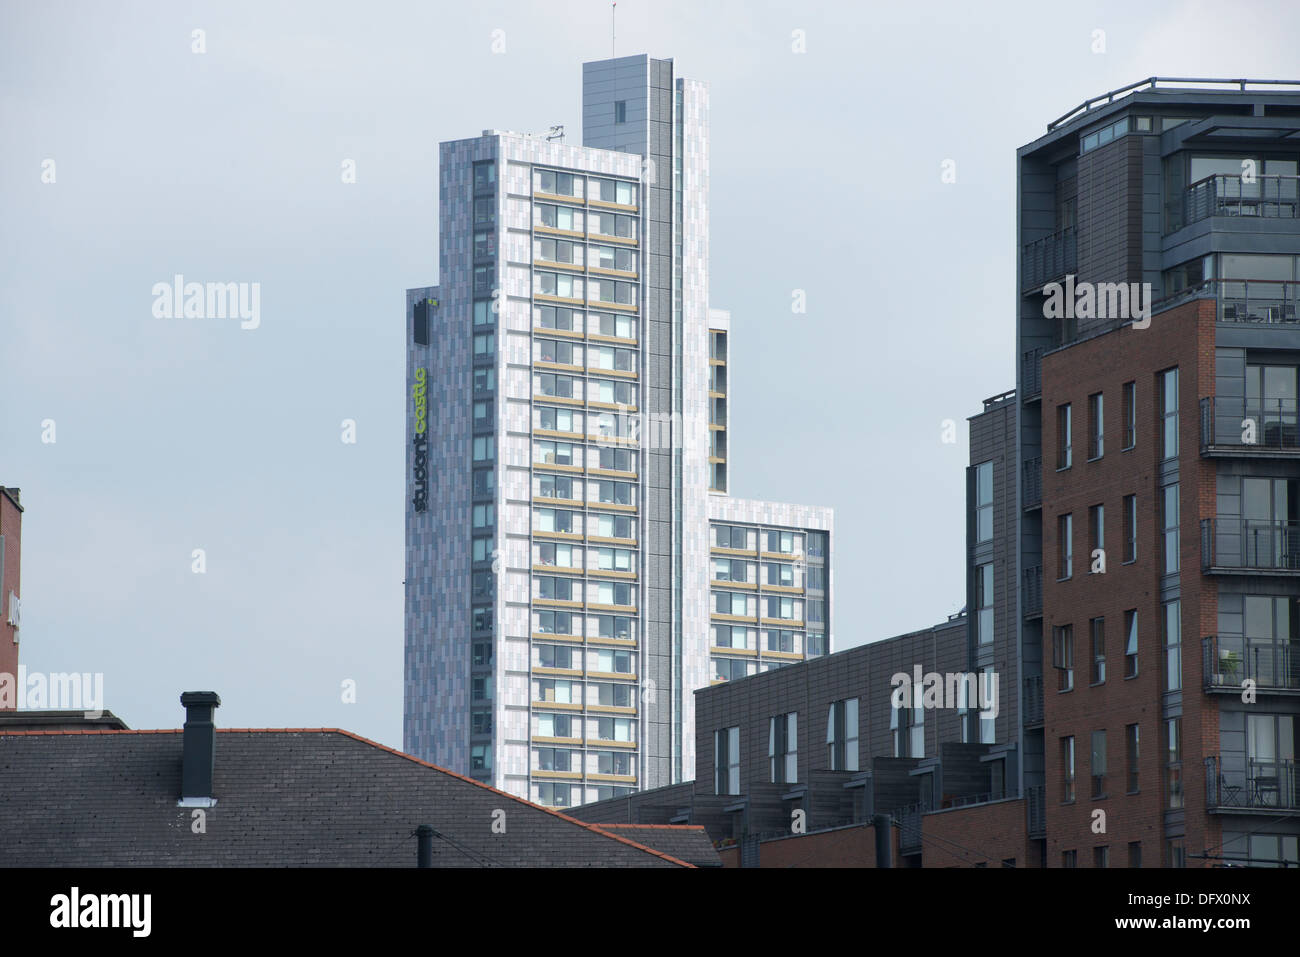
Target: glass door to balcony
1267 652
1270 760
1271 403
1269 514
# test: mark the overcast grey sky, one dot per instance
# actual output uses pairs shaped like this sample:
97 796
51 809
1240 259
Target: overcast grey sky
225 166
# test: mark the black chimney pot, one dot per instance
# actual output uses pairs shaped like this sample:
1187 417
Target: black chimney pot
199 747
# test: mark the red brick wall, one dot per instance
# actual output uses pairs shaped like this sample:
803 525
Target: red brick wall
951 838
1182 337
11 528
842 847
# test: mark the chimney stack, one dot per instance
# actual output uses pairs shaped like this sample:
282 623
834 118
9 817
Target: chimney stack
199 748
424 846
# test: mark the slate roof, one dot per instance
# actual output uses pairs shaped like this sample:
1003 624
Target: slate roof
686 842
294 797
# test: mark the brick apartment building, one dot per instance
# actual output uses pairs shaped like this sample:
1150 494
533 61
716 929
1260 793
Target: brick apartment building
1133 541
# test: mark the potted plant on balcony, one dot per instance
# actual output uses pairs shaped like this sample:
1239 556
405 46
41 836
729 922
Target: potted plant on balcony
1229 666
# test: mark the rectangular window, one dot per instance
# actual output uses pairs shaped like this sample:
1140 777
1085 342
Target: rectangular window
1101 856
1173 763
1098 764
783 748
907 726
1135 854
620 111
1064 453
1069 858
842 735
988 730
1063 656
1130 415
1097 539
984 603
1169 537
1168 413
1096 427
1130 528
1065 546
1067 770
1097 628
726 761
1131 757
1173 646
984 502
1131 643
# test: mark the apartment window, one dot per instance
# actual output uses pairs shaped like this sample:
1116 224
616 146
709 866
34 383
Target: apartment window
1173 646
1069 858
783 748
484 448
1063 656
1169 413
984 603
480 758
483 414
481 550
1065 546
1135 854
481 654
484 482
988 731
1064 454
620 111
1098 764
1173 763
1130 415
1097 634
485 176
1176 853
484 344
1097 538
1169 537
483 516
1131 643
1096 427
842 735
485 380
480 721
907 726
1067 770
1131 757
780 542
1130 528
984 502
1101 856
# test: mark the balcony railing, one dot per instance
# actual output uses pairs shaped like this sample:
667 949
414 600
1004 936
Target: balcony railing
1032 484
1273 664
1033 591
1033 700
1251 783
1243 300
1031 375
909 828
1243 544
1232 423
1049 258
1270 197
1036 811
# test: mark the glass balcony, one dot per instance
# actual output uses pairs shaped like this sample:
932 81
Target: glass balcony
1232 425
1051 257
1269 197
1241 545
1251 784
1244 300
1273 664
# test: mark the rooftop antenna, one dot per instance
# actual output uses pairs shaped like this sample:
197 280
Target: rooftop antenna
613 13
556 133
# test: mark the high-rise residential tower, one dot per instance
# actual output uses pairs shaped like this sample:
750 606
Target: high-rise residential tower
567 407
